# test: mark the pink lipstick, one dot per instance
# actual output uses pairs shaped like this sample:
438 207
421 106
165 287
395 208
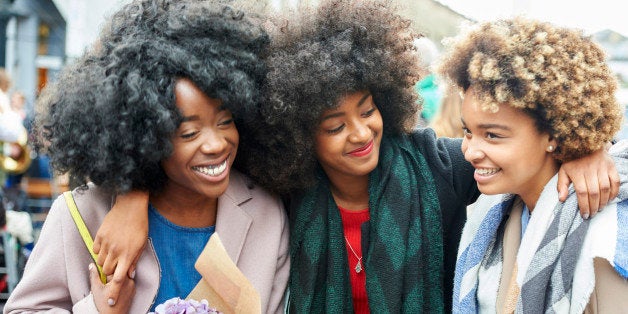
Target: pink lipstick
362 151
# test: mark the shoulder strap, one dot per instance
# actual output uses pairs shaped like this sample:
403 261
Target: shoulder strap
82 228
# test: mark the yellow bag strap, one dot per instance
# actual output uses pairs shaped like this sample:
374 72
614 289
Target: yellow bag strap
82 228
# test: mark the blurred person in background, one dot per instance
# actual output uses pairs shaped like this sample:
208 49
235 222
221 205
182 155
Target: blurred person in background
12 184
18 105
428 87
11 129
446 122
5 84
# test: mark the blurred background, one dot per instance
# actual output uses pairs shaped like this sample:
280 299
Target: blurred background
39 37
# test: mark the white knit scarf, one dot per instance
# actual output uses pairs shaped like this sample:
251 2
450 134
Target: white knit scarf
555 258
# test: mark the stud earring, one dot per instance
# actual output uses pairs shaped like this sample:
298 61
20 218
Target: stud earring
550 148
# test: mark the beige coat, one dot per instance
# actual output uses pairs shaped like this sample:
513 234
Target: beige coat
609 296
251 223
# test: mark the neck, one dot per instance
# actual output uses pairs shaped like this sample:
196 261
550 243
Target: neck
532 193
351 195
183 209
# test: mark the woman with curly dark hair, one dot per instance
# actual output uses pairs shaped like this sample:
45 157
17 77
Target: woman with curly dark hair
154 106
536 95
376 208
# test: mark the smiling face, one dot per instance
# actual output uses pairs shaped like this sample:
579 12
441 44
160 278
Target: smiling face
205 145
508 152
349 136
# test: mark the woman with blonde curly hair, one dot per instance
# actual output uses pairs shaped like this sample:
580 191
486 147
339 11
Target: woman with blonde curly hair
535 96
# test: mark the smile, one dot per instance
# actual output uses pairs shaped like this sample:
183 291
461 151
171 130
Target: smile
363 151
487 171
213 170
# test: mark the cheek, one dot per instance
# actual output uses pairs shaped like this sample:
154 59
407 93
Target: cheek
317 145
170 166
378 122
464 146
322 145
234 137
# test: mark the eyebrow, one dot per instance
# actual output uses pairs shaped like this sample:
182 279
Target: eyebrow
341 113
196 117
190 118
494 126
489 126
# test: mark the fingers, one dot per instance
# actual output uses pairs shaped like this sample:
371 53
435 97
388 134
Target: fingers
604 182
118 285
97 244
94 277
580 185
593 186
110 262
132 267
115 284
614 182
563 185
102 255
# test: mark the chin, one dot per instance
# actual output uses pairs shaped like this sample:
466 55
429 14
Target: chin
217 190
490 190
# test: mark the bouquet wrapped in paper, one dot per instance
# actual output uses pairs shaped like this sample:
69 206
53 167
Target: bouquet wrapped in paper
180 306
223 286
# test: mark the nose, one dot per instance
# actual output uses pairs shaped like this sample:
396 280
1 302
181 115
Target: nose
471 150
360 132
213 142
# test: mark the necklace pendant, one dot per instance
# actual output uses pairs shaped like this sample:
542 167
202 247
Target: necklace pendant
358 267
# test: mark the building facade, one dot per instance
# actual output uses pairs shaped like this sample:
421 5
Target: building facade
33 45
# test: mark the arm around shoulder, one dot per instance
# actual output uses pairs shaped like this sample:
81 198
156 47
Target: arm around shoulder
450 169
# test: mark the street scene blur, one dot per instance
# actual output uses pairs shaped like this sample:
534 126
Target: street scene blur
39 37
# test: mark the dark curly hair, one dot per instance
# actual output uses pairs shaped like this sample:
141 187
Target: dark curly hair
557 75
317 56
110 116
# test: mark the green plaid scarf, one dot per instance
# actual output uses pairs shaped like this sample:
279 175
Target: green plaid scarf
404 256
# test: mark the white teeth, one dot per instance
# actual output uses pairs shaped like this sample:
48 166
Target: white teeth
213 171
486 172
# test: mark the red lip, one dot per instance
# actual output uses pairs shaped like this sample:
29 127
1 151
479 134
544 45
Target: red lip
362 151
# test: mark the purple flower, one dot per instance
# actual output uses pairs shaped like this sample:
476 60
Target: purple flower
179 306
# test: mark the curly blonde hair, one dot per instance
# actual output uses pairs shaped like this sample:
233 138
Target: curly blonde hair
556 75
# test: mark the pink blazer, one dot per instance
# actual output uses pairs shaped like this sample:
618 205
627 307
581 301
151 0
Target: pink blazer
252 225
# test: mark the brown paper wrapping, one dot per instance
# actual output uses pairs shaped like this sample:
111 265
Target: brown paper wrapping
223 284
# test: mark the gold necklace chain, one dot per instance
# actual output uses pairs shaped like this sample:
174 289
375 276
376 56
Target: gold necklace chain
358 265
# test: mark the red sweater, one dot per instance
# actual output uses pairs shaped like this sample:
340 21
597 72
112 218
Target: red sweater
351 222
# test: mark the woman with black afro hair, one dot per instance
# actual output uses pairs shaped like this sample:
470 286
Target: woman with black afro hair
376 208
154 106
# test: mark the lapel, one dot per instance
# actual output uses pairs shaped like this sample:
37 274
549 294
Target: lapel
232 221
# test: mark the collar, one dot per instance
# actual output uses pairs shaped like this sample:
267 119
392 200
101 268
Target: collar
233 221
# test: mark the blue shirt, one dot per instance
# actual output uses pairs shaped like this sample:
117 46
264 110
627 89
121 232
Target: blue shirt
177 249
525 218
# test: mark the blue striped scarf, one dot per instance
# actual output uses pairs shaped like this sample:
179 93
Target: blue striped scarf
548 254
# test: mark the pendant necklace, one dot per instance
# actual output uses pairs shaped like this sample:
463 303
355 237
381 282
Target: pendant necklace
358 265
